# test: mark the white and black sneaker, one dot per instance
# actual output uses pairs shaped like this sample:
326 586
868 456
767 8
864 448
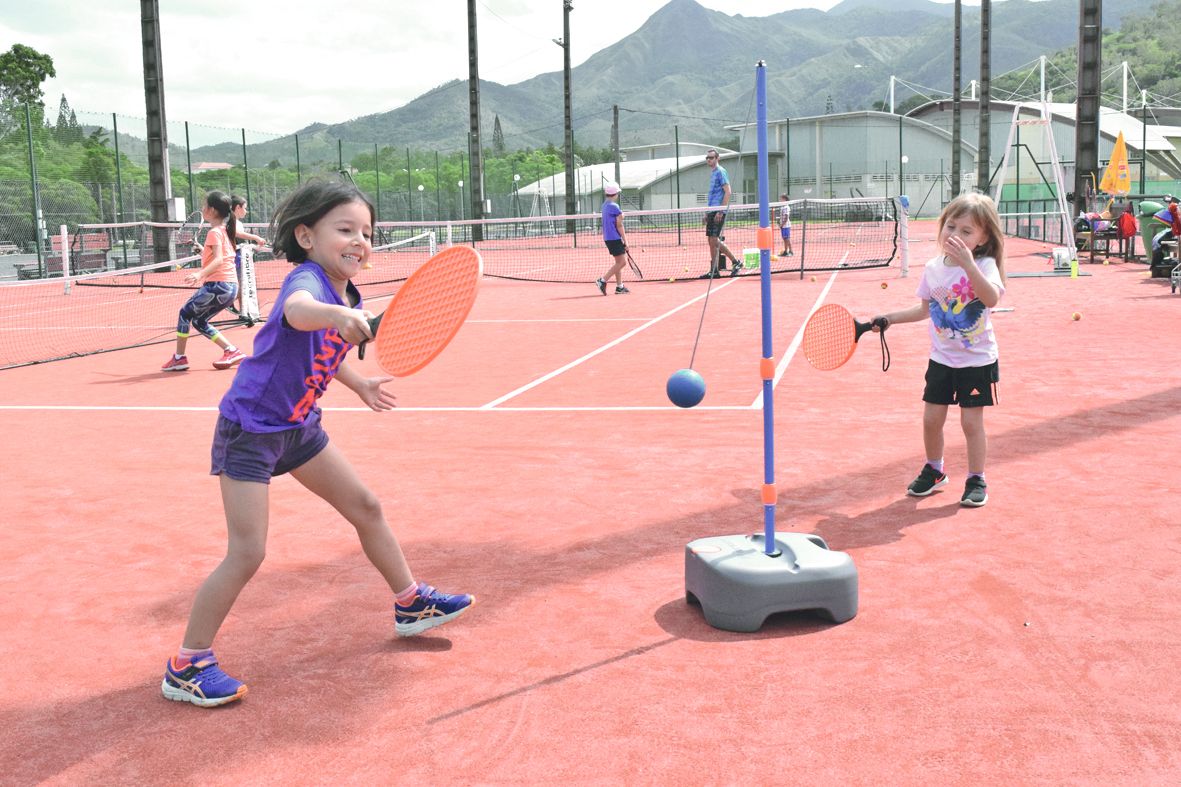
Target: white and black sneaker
975 492
929 479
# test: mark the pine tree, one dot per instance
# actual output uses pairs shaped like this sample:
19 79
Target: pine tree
67 131
497 137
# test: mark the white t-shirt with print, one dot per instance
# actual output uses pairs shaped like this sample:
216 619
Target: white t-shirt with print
961 325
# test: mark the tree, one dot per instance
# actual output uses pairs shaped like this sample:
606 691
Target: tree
67 131
497 137
22 70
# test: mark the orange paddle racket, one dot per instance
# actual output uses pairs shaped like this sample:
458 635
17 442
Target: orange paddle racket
831 335
426 312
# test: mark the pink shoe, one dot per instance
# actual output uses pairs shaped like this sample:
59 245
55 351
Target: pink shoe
231 358
175 364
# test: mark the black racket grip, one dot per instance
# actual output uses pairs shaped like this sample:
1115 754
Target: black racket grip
881 323
373 323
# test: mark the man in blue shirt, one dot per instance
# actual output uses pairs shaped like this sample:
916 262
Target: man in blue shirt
719 196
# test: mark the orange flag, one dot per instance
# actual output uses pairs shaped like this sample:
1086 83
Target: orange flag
1117 179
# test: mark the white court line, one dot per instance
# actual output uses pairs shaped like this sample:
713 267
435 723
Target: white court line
570 319
604 348
480 409
781 367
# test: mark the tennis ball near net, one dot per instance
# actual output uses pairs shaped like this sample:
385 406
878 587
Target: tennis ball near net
885 285
1076 316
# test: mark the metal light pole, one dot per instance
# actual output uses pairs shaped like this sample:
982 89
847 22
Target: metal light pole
564 42
474 152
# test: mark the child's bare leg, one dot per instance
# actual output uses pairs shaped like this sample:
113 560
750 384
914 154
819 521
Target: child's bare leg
972 421
246 521
934 417
330 476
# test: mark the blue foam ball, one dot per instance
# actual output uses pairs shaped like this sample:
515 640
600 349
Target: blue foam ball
685 388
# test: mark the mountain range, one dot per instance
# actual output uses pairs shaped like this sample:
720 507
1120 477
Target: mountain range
693 68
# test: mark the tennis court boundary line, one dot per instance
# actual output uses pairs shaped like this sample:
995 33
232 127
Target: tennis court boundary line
546 377
442 409
781 367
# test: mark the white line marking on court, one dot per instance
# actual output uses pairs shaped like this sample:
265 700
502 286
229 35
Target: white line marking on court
781 367
604 348
457 409
571 319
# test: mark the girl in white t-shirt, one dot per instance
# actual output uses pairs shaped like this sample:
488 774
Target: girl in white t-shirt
958 291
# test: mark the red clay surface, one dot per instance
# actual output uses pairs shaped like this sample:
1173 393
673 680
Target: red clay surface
1032 641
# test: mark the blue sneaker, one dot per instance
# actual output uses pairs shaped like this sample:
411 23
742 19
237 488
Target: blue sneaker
430 608
201 683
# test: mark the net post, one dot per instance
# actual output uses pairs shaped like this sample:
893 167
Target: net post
65 241
433 243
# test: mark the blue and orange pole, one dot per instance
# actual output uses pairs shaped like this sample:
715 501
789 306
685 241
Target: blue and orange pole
767 362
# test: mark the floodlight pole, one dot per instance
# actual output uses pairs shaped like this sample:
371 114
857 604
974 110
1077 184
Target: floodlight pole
956 133
475 155
571 202
1086 126
159 174
984 149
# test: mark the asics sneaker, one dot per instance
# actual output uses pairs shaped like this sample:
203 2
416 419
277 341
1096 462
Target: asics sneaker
429 608
202 683
230 358
175 364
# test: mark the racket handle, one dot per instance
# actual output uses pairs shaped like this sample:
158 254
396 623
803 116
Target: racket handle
373 323
860 328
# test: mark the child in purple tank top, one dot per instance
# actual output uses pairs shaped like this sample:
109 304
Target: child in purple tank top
269 424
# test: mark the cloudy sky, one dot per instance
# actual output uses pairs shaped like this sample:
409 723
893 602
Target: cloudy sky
275 66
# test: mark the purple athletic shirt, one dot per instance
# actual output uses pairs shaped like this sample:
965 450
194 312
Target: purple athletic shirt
278 385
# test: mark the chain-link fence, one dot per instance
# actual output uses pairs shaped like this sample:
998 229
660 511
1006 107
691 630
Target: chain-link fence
86 168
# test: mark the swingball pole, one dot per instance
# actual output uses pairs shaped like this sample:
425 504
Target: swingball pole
767 361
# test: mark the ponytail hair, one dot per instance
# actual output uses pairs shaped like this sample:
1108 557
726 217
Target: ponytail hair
219 201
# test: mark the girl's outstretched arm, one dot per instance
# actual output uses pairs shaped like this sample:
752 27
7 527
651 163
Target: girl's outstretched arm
368 389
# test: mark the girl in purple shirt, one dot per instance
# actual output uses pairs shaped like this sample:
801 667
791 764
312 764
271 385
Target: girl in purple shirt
269 424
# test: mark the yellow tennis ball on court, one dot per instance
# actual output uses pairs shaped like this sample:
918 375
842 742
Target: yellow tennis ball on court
885 285
686 270
813 278
1076 316
1105 262
672 279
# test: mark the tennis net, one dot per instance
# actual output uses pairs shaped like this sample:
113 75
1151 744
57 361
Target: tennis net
62 316
671 244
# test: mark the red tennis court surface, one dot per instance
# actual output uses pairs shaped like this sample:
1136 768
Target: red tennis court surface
538 465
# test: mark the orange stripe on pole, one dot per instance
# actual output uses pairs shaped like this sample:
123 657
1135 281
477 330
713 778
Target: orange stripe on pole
767 368
764 238
769 494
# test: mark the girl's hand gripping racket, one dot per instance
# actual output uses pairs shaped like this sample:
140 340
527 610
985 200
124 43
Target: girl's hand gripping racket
635 268
831 335
426 312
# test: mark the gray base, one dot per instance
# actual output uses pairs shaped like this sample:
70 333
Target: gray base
738 585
